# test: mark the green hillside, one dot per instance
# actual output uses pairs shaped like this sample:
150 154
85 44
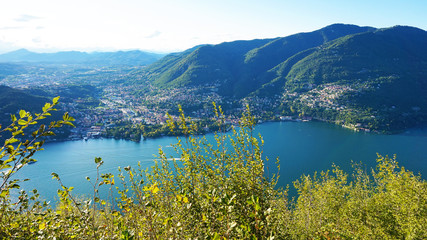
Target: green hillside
12 100
237 67
394 51
386 71
355 76
209 64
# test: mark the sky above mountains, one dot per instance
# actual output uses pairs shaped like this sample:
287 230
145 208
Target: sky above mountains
171 25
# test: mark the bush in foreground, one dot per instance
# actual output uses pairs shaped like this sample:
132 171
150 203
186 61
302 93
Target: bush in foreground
220 191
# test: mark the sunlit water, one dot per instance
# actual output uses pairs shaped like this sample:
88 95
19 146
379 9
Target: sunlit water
302 148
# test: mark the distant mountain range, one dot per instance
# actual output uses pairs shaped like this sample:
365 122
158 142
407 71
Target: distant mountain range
132 58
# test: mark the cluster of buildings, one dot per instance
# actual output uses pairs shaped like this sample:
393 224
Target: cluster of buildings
123 102
326 97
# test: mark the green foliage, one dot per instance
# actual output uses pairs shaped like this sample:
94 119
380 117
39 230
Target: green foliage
14 154
125 130
11 101
211 191
390 204
216 191
131 131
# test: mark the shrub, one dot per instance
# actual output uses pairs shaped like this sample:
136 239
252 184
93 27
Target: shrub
212 191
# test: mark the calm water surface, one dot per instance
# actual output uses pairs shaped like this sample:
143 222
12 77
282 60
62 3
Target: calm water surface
302 148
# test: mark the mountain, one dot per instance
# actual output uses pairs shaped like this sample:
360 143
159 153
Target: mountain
129 58
237 67
384 72
357 76
397 51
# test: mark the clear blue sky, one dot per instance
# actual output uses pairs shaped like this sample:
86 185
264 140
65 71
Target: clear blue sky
175 25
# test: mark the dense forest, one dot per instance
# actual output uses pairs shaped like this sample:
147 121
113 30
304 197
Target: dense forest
218 191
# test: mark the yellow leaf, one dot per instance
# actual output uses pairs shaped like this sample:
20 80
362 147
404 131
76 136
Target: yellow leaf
55 100
42 226
166 221
155 189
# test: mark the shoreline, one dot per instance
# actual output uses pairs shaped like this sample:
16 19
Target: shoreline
259 121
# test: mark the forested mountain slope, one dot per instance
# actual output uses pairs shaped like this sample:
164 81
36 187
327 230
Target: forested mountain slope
376 78
237 67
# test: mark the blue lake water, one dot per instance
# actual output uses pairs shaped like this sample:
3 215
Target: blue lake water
302 147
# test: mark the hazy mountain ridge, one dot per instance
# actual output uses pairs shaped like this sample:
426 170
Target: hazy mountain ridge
133 58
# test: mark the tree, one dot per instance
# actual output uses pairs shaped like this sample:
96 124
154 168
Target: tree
17 150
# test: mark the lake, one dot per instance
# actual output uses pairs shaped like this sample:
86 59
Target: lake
302 147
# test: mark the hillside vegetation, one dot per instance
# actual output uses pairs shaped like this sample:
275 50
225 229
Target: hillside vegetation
375 79
212 192
12 100
237 66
